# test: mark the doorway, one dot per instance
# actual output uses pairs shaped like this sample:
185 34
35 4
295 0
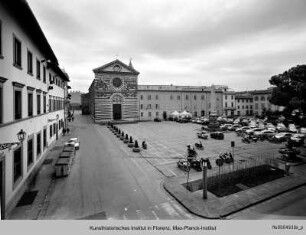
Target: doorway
117 112
2 194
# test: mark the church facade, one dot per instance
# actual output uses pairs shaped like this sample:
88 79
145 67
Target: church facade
113 93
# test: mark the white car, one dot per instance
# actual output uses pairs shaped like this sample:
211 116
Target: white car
281 127
283 136
252 130
292 128
264 133
74 142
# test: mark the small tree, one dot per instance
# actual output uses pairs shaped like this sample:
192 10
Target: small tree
126 136
131 139
122 134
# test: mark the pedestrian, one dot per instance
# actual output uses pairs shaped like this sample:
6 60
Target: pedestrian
72 118
64 131
68 131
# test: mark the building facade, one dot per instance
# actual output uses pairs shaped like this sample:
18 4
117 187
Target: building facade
113 93
161 100
32 98
75 100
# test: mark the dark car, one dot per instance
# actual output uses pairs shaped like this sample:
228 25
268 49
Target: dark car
157 119
217 135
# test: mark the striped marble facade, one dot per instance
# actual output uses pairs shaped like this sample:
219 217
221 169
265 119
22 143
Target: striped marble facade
115 84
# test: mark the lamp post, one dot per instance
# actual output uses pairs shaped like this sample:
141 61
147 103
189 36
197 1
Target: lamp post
205 165
20 135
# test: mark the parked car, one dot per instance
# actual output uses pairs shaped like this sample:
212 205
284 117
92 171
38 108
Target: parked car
225 127
217 135
202 135
157 119
252 130
234 127
271 127
73 142
282 136
292 128
243 129
298 139
266 134
281 127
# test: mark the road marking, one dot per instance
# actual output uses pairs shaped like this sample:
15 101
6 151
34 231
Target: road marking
169 209
172 172
156 217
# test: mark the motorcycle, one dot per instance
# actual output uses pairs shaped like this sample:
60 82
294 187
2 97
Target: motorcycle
227 158
144 145
183 164
196 164
245 140
199 146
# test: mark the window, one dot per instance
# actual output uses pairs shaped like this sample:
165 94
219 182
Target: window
157 106
38 102
247 107
0 39
30 103
250 106
51 131
242 106
256 106
149 106
226 97
17 104
17 52
50 78
45 138
187 97
202 97
38 144
256 98
157 114
44 103
30 63
17 164
263 98
226 105
141 106
238 107
141 97
232 97
149 97
37 69
141 114
149 114
54 128
30 152
171 97
263 106
156 97
44 74
232 104
195 97
1 101
178 97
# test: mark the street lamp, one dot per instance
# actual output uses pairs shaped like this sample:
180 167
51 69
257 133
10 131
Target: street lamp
20 135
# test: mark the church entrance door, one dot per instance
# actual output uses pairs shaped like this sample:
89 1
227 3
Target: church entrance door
117 112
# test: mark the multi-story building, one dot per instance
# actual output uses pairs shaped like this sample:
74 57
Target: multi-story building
161 100
229 103
244 104
261 101
32 94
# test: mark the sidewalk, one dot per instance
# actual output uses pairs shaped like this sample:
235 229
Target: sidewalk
42 183
216 208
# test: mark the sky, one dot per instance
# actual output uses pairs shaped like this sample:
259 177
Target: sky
237 43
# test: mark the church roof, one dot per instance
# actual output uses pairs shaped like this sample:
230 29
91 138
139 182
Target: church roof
130 68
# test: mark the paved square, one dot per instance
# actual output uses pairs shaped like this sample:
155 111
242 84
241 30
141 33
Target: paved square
167 143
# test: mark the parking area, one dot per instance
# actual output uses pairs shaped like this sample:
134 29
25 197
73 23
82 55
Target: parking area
167 143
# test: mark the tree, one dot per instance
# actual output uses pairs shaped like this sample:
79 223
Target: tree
290 89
